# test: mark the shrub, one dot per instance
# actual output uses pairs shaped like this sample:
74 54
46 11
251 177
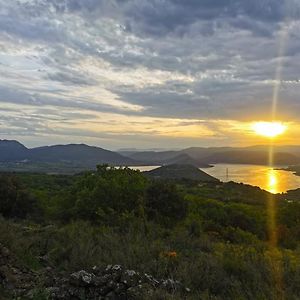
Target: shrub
15 201
105 194
164 203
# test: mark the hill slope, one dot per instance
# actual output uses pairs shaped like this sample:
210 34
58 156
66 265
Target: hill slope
180 172
12 151
79 154
185 159
152 157
199 156
166 158
253 157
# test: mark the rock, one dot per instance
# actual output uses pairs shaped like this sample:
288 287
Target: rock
110 283
53 291
104 290
115 272
44 260
151 280
172 285
130 278
121 288
82 278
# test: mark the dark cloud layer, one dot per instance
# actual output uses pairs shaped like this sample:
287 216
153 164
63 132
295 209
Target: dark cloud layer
164 16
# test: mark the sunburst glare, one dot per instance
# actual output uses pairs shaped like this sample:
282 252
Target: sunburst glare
269 129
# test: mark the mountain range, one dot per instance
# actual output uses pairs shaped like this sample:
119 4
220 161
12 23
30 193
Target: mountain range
203 157
80 154
89 156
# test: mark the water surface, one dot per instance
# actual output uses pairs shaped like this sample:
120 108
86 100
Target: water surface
272 180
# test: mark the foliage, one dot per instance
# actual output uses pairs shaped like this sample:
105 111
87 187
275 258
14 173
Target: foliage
107 192
212 237
164 203
15 201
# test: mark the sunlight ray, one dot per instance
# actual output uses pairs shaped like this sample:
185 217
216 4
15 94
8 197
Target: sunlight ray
272 203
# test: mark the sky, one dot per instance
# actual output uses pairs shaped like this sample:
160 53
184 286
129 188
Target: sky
148 73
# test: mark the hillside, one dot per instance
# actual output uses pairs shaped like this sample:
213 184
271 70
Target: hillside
151 157
185 159
295 169
252 157
78 153
100 235
176 171
284 155
166 158
13 152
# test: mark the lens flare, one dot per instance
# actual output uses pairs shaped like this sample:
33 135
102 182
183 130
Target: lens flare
269 129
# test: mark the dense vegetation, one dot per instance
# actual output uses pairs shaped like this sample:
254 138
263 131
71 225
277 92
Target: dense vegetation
211 236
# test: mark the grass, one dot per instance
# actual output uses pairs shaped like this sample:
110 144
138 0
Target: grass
213 270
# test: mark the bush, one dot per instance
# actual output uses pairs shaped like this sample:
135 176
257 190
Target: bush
164 203
15 201
105 194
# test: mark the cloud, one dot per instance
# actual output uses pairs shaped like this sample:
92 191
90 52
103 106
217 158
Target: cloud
161 59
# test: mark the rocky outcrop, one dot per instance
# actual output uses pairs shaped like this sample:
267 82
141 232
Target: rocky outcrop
110 283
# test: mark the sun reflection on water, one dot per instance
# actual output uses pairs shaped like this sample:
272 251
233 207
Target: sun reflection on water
273 181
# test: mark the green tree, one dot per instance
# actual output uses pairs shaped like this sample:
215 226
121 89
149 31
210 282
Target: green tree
15 201
108 191
164 203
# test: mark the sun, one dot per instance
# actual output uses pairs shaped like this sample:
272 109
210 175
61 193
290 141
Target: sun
269 129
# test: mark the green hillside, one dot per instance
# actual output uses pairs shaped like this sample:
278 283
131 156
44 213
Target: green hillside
177 171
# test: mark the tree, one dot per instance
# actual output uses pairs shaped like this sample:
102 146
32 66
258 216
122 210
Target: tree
108 191
15 201
164 203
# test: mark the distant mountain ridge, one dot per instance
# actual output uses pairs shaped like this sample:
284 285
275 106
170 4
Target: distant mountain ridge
253 157
283 155
185 159
81 154
165 158
12 151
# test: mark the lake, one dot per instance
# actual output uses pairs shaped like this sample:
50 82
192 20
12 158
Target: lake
272 180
